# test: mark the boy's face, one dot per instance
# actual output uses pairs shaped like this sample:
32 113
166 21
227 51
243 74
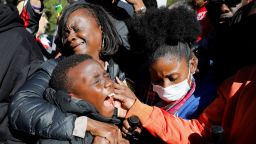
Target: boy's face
91 83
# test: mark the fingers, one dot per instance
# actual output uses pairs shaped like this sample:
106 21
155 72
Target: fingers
108 131
126 125
124 91
100 140
124 141
121 112
120 82
119 87
119 98
125 128
112 135
138 130
126 102
119 136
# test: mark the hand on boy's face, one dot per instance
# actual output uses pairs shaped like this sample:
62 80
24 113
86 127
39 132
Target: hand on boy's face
124 95
122 89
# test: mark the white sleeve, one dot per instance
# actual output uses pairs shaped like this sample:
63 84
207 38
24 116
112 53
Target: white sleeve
80 126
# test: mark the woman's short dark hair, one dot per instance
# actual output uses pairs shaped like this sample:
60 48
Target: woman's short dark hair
110 36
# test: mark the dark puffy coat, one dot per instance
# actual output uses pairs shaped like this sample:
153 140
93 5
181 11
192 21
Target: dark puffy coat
31 113
19 58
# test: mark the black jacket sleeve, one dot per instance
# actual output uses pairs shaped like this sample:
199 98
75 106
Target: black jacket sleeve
31 113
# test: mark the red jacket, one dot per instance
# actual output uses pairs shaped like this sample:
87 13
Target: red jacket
234 109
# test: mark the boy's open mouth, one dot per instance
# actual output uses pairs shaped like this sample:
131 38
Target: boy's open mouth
109 101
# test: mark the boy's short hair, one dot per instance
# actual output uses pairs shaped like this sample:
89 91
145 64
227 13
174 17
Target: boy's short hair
59 79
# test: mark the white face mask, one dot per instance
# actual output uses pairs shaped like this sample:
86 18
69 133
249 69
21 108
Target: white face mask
172 92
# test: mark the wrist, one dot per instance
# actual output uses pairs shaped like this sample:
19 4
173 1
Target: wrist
90 125
141 110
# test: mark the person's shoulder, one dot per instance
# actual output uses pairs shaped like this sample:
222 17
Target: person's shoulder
247 71
244 75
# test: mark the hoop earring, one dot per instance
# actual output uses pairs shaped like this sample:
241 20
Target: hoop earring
103 42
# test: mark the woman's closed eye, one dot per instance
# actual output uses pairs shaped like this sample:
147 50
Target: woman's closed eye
106 75
157 82
100 79
66 33
97 81
172 79
76 29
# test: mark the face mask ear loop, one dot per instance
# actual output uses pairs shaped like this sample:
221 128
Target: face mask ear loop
189 78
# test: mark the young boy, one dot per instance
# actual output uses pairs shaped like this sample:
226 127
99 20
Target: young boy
84 82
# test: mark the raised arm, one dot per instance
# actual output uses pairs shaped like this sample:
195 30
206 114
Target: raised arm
172 129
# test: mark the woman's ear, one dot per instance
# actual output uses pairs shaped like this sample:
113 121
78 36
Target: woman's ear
193 64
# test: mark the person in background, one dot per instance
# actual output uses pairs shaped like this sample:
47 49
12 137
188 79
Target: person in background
83 29
236 39
36 22
30 13
20 5
20 57
45 41
202 17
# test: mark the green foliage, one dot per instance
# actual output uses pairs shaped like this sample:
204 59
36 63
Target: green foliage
52 13
169 2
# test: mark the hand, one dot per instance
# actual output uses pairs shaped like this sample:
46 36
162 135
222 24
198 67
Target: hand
100 140
137 4
122 89
127 130
121 112
124 95
126 102
108 131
